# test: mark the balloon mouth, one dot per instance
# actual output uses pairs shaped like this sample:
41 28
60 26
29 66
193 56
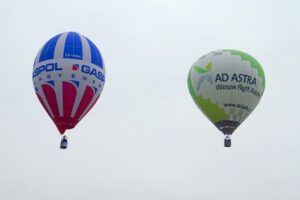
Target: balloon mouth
64 123
227 126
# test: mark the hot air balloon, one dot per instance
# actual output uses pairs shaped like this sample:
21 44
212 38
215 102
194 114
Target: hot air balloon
226 85
68 78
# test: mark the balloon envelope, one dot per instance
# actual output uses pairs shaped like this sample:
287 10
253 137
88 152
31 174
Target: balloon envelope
226 85
68 77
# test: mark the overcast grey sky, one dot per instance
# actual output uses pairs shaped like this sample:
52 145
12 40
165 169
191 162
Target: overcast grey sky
145 139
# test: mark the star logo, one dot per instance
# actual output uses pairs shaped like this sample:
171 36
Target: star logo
205 76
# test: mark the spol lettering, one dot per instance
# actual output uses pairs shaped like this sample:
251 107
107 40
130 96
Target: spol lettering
48 68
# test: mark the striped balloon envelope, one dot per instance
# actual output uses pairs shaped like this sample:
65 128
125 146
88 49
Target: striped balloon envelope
68 77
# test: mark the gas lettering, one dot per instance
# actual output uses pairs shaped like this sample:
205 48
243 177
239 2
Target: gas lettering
93 72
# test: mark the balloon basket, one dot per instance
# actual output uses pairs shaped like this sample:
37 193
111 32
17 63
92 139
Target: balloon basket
227 141
64 142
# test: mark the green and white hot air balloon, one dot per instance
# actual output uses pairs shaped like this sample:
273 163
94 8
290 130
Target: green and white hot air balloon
226 85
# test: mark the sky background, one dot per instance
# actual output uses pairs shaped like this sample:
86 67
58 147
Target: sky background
146 139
